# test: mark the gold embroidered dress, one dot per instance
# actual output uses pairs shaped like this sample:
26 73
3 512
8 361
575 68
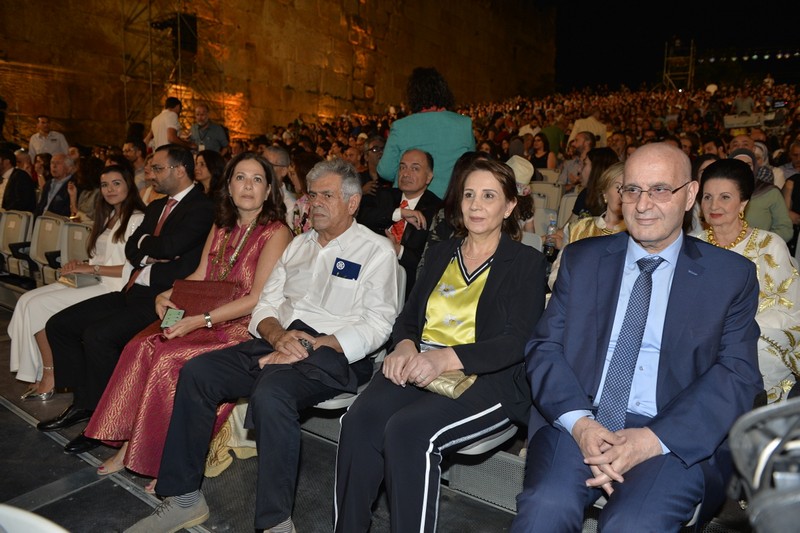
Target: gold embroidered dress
778 314
137 403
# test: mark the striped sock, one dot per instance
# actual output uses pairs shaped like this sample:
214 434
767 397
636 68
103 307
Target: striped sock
284 527
187 500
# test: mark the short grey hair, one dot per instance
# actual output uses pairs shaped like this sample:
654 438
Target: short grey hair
351 183
280 154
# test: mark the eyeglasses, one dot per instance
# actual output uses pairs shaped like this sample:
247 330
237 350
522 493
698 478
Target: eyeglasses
376 149
660 194
158 169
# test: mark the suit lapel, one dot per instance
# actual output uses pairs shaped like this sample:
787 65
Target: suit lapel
609 279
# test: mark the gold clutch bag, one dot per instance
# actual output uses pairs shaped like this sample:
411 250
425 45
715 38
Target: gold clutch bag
451 384
78 280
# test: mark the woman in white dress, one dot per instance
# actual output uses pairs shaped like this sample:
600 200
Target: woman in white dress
726 188
119 211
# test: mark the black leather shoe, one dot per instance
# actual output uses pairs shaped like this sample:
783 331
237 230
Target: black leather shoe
81 444
69 417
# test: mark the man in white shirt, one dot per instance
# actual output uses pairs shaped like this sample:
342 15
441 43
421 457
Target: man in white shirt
330 302
164 127
591 123
45 141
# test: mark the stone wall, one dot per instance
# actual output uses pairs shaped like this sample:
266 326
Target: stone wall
96 66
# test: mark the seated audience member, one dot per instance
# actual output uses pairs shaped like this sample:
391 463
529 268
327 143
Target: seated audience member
572 169
766 208
41 167
17 189
541 155
149 193
209 167
726 187
248 236
791 195
135 151
442 228
120 211
88 337
608 223
24 161
55 196
84 190
403 214
589 202
371 181
302 163
597 428
281 161
468 313
431 127
308 349
523 172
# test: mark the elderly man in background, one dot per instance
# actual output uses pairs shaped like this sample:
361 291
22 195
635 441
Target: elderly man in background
206 134
330 301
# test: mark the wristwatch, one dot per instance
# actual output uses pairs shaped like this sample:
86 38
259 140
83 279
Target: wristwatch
96 269
207 316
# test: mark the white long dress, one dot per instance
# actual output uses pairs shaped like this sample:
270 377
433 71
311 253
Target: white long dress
35 307
778 313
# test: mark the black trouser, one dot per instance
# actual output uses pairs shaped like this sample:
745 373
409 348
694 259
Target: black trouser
87 339
276 398
399 434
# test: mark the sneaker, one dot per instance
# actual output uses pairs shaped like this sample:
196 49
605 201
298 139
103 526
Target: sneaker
169 517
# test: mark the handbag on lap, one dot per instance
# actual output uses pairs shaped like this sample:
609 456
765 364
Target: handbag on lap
198 297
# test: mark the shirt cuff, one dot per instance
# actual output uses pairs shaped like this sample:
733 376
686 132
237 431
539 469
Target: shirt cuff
568 419
396 215
351 344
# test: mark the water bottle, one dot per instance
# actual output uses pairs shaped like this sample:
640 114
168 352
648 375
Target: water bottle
549 246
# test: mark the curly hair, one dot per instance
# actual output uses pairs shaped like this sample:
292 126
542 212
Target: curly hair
428 88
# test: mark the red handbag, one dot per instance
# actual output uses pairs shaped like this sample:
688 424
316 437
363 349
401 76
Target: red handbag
198 297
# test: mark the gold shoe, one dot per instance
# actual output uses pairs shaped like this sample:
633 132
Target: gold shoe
31 394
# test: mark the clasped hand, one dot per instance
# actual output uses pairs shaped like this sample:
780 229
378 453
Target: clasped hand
612 454
407 365
288 349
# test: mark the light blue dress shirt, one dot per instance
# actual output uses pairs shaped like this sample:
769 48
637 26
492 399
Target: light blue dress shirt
642 400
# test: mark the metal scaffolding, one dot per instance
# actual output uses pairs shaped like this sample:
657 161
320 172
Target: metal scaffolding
679 61
161 56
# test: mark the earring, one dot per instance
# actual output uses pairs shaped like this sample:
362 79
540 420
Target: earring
741 215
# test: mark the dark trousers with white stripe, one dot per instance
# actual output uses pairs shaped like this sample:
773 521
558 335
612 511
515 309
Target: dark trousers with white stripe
399 434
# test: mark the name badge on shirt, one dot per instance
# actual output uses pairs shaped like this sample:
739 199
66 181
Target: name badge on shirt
342 268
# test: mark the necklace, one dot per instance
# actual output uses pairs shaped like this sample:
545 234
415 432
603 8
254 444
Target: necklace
737 240
225 267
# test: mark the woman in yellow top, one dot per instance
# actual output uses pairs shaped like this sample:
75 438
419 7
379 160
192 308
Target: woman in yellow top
608 223
467 312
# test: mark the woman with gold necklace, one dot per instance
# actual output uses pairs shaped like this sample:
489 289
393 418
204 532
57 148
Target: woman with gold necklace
247 239
725 188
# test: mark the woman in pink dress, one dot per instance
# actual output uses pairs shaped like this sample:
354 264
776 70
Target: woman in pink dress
248 237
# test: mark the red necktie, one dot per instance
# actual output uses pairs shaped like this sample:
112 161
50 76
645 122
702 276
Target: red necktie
164 214
400 226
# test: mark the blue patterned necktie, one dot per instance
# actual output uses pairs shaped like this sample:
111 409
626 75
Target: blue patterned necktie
617 387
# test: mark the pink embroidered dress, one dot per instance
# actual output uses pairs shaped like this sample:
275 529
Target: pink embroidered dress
137 403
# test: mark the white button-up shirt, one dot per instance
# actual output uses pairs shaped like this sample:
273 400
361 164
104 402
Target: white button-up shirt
347 289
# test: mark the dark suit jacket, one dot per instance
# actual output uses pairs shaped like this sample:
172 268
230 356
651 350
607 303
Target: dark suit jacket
20 193
60 203
180 242
376 211
708 367
511 302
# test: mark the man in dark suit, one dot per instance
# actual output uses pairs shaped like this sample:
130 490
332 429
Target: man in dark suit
18 190
691 374
55 195
87 338
404 214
